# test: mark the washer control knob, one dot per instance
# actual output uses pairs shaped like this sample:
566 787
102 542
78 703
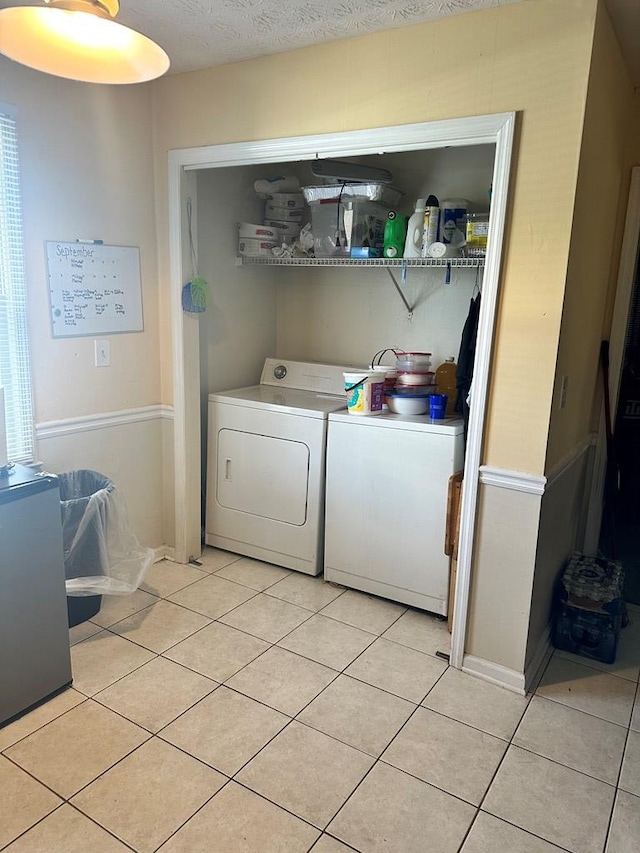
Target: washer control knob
280 371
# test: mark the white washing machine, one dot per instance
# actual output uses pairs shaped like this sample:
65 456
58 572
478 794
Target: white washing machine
266 463
386 505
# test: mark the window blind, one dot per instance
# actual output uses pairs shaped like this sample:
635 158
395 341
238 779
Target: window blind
15 375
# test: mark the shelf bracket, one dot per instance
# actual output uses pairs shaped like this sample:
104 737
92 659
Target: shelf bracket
399 290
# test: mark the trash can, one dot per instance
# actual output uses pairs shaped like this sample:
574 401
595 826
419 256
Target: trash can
101 554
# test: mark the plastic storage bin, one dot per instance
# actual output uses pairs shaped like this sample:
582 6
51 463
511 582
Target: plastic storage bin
101 554
349 228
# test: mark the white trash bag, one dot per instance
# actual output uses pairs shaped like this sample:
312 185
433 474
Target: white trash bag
102 556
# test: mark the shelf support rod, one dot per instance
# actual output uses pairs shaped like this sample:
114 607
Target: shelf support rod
401 294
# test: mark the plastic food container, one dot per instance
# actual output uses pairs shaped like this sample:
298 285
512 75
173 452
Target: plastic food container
414 361
256 248
247 231
408 404
414 389
415 378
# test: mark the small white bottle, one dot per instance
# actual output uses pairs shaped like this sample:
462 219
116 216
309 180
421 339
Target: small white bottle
415 231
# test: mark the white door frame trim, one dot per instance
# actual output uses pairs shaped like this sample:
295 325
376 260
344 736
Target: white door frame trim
617 338
495 129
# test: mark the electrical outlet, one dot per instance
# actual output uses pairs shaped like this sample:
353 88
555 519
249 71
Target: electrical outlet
102 353
563 391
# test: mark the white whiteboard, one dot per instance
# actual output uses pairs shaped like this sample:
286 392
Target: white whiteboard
94 289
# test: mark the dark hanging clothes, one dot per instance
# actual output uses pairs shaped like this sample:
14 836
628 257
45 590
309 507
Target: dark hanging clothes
466 358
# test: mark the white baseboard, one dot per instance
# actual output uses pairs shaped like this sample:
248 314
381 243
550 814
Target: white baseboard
534 669
495 673
164 552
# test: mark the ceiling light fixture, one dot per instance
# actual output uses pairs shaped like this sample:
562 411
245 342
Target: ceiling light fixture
79 39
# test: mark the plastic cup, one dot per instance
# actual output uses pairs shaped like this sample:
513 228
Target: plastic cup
438 406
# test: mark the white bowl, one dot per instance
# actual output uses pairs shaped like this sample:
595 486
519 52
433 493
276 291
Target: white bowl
408 404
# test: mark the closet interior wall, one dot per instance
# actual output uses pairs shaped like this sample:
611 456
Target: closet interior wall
326 314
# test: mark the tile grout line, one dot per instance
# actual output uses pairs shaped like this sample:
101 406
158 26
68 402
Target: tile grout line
377 760
39 728
617 786
580 711
499 765
53 811
562 657
517 746
152 734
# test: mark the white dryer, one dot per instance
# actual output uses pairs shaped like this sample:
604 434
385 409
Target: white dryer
266 463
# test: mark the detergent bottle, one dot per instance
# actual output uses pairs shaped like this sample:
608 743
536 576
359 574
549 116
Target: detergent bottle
415 231
395 232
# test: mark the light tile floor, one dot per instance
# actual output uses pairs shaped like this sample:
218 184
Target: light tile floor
236 707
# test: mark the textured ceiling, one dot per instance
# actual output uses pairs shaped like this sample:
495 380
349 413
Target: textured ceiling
200 33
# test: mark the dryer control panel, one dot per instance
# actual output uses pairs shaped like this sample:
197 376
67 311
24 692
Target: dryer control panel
306 375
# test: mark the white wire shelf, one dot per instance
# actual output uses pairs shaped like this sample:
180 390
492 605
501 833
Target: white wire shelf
383 263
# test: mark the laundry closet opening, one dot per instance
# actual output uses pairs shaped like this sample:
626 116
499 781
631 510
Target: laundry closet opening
327 314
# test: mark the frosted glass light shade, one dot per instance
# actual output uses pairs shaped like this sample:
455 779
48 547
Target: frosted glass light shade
79 45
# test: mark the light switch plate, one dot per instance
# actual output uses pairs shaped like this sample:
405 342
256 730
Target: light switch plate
102 353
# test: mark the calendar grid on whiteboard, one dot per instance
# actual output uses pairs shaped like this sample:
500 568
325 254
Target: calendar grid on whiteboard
94 289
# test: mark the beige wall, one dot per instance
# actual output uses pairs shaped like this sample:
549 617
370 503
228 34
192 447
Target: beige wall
531 57
595 240
561 515
87 172
503 576
602 187
509 58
